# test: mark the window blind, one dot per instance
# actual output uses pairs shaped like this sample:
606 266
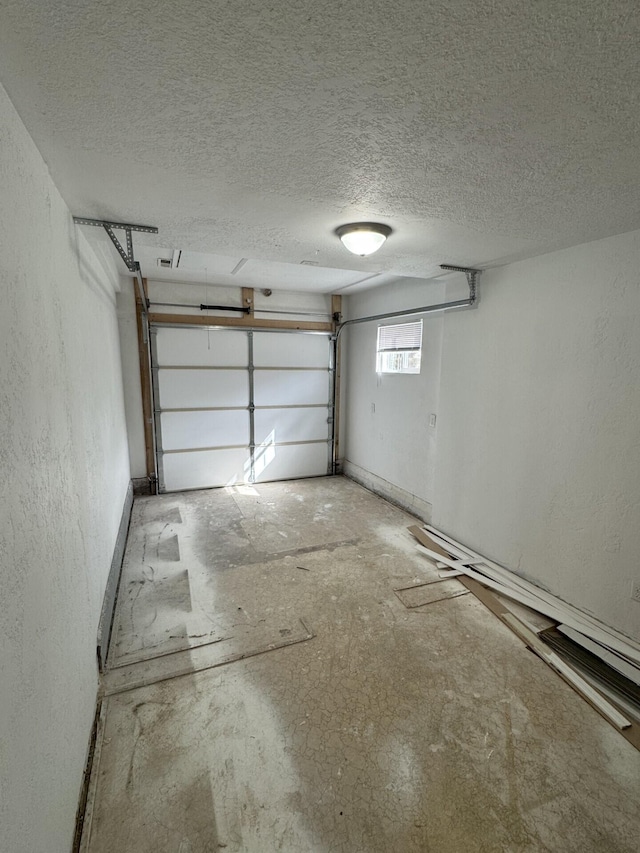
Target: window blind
405 337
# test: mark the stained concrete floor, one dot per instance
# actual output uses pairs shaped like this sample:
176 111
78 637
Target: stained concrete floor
377 728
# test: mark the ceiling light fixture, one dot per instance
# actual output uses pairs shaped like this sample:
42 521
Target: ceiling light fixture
363 238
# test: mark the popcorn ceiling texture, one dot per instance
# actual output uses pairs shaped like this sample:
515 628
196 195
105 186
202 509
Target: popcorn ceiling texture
63 457
481 130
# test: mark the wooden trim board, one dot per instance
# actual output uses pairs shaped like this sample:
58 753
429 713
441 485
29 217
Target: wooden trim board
513 586
615 661
145 388
567 672
427 542
475 582
247 321
631 730
532 602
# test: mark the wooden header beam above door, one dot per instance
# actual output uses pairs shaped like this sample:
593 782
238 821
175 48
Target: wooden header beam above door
248 322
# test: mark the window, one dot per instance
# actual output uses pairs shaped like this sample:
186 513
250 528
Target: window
399 348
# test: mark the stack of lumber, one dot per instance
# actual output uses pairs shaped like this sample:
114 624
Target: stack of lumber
600 647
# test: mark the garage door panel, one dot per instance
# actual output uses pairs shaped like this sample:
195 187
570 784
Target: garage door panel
186 430
198 389
205 420
290 387
195 347
286 463
204 469
291 424
274 349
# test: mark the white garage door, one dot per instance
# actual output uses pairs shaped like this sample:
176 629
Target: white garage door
234 406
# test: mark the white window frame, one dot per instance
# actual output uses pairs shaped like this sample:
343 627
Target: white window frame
399 348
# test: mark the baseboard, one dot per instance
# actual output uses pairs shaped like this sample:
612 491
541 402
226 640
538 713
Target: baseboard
83 815
111 590
394 494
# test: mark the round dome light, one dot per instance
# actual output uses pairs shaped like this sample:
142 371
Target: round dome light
363 238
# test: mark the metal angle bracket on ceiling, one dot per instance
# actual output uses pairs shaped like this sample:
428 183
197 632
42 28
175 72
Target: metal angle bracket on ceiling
128 257
469 302
472 278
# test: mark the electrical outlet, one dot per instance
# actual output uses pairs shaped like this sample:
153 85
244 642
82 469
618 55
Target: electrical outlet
635 591
432 420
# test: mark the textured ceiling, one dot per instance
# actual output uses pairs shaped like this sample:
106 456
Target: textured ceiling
480 130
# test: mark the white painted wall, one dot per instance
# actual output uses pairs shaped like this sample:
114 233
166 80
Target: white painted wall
538 461
63 458
392 449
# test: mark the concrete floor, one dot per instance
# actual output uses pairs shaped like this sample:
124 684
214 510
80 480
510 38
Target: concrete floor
392 729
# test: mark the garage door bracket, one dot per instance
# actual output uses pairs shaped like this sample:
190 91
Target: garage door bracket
127 256
472 279
469 302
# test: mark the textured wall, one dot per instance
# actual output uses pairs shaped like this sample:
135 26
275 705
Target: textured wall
538 460
63 458
394 442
